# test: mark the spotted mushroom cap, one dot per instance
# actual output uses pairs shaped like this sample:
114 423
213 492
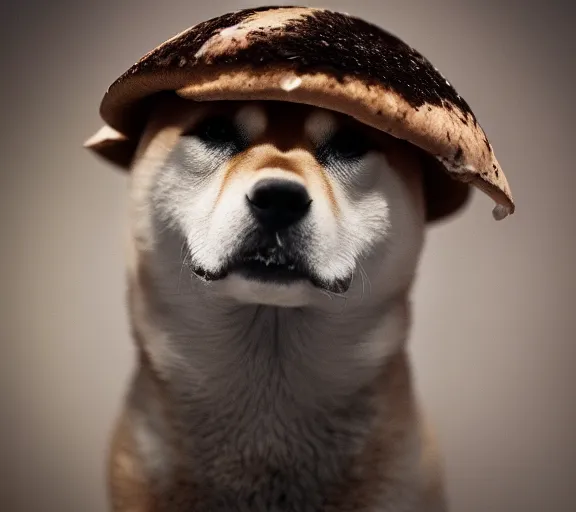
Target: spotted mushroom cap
317 57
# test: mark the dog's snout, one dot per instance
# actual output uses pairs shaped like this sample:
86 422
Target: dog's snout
278 203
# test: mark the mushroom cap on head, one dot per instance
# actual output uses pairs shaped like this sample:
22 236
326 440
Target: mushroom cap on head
323 58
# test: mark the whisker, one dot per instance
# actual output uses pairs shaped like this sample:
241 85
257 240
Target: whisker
362 280
183 263
365 276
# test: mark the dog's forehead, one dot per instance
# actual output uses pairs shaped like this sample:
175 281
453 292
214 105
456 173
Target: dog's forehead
258 119
273 124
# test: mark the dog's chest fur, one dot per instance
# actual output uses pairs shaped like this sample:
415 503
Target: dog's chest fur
267 422
265 462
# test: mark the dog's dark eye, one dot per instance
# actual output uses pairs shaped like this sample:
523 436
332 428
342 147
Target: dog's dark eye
217 130
348 144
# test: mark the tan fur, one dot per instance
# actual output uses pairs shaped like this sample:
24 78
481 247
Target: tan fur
379 454
432 468
128 484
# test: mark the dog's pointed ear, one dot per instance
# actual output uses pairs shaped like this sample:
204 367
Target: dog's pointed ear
114 147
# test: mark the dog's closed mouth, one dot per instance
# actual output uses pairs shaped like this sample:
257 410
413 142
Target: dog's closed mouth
268 266
276 268
272 267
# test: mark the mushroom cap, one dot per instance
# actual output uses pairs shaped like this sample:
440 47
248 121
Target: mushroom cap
323 58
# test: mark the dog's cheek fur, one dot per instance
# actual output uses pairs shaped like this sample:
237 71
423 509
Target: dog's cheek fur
380 229
185 194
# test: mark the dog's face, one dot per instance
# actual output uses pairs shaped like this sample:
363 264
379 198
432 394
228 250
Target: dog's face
278 203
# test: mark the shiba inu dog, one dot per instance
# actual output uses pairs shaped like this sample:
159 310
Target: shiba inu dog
273 250
284 163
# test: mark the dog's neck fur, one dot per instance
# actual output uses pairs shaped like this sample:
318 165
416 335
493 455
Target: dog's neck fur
249 390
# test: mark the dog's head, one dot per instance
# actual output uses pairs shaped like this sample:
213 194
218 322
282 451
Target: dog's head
277 203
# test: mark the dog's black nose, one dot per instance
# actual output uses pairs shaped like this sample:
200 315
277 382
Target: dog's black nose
278 203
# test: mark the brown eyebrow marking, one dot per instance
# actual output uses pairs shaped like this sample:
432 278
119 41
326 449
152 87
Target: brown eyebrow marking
231 167
284 144
328 189
287 163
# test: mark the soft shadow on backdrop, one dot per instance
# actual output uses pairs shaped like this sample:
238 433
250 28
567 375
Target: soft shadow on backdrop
494 339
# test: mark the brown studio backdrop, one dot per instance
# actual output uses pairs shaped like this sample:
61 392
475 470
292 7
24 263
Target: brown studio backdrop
494 335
